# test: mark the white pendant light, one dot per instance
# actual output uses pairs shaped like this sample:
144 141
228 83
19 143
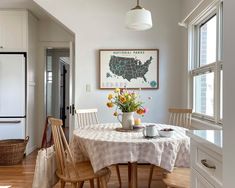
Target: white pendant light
138 18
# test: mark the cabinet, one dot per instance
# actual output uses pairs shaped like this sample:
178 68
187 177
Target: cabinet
198 181
206 159
13 31
18 33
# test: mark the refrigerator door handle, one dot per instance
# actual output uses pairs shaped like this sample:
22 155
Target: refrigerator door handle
11 122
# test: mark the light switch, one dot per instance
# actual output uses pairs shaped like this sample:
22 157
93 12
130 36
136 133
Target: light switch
88 88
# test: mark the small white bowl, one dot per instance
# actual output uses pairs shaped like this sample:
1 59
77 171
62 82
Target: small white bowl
165 133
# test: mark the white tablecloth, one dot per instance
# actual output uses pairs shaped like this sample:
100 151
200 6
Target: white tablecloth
104 146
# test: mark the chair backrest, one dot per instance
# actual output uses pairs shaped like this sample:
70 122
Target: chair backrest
86 117
180 117
64 160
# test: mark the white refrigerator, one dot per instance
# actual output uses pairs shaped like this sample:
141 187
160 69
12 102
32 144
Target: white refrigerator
12 95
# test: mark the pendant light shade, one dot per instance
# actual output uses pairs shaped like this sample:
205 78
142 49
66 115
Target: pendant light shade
138 18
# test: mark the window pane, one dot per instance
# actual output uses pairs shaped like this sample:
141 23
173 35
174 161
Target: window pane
49 63
208 42
221 94
204 94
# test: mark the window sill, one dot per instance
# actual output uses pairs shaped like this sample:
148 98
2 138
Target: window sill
204 125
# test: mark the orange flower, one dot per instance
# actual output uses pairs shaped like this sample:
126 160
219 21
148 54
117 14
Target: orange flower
110 104
122 99
140 111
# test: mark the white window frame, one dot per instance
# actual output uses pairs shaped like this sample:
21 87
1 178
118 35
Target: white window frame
216 67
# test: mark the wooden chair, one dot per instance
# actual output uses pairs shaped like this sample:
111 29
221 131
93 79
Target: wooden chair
180 117
68 170
179 178
88 117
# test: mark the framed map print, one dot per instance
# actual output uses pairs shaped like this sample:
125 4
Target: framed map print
130 68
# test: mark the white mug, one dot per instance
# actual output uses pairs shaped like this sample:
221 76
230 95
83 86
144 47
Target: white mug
150 131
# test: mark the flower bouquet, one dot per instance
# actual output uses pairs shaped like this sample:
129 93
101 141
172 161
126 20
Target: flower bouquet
127 102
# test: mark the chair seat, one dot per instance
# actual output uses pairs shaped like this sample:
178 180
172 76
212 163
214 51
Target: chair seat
85 172
179 178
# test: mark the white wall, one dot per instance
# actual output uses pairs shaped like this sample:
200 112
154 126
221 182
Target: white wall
51 31
99 25
31 128
229 93
188 6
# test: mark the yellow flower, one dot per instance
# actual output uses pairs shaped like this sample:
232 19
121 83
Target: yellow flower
134 95
122 99
115 114
110 104
128 98
117 90
110 96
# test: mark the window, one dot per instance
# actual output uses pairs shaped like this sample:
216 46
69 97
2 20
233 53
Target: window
207 32
206 65
204 93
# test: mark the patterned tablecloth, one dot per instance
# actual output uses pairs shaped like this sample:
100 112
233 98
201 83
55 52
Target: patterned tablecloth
104 146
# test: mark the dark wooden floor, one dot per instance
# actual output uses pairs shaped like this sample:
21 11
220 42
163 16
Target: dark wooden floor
21 176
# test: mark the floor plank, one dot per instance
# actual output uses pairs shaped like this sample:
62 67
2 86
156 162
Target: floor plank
21 176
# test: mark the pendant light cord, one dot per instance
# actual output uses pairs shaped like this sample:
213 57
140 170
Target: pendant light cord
137 6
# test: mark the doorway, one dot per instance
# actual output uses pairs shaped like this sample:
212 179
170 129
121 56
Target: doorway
58 85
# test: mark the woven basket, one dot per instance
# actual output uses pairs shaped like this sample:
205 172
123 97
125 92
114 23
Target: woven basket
12 151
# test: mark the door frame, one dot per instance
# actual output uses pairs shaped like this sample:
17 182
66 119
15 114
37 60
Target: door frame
41 98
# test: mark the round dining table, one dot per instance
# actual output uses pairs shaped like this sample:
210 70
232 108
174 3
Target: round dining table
105 145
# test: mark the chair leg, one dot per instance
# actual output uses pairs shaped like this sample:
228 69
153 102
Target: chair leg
134 182
118 175
62 183
92 183
98 182
150 175
74 185
103 182
129 174
80 184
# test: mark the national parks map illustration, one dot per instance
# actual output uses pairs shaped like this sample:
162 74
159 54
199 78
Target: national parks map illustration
130 69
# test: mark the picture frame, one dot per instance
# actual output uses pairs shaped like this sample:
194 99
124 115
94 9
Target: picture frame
129 68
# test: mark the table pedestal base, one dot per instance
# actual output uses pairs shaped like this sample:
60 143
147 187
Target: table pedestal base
132 175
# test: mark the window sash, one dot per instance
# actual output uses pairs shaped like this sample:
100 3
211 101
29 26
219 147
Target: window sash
203 115
204 69
209 18
194 59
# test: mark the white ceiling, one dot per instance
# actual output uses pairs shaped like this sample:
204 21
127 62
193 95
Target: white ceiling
24 4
